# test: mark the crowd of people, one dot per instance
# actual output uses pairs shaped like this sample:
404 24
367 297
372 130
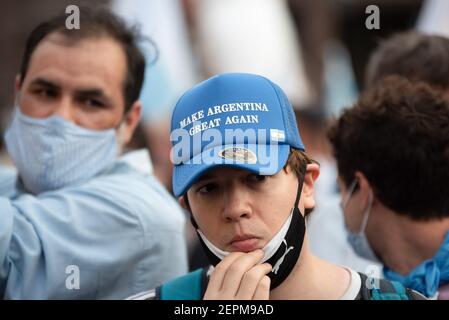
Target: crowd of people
253 188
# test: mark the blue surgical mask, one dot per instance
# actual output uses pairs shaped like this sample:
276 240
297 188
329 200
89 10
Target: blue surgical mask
358 240
53 153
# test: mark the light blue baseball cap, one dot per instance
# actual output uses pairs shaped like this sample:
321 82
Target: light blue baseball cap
239 120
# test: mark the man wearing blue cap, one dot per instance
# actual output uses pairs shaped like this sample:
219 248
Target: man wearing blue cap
242 172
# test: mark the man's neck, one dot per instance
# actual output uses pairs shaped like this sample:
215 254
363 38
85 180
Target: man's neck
405 243
313 279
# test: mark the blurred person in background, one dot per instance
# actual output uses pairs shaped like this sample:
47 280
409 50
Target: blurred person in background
76 207
392 152
433 18
328 67
17 19
412 55
415 56
338 49
167 77
326 231
255 36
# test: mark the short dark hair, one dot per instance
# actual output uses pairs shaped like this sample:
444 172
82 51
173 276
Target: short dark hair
397 135
412 55
98 22
297 162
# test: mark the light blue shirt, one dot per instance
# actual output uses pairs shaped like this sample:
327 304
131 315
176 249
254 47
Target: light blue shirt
8 179
116 235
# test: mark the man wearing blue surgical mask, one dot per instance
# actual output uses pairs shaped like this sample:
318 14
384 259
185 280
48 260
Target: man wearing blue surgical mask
392 152
83 224
358 240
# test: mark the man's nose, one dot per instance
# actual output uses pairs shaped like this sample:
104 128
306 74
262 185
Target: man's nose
65 109
237 203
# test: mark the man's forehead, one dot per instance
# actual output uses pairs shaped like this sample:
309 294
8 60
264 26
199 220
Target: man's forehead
88 63
101 52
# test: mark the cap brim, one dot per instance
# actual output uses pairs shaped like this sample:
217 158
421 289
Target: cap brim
269 161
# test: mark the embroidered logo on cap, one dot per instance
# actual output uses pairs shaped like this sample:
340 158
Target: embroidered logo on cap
277 135
238 154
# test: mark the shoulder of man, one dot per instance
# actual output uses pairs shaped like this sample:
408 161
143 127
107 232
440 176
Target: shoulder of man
8 182
190 286
382 289
138 191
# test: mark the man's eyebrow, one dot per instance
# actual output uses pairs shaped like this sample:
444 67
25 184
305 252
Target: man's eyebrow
92 92
44 83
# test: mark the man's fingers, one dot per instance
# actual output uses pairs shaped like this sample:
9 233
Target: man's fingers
236 271
263 289
225 279
251 281
217 276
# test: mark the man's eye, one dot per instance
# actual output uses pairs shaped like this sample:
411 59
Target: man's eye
207 188
45 93
93 103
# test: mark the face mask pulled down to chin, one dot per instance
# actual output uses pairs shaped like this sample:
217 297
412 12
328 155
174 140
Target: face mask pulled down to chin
281 252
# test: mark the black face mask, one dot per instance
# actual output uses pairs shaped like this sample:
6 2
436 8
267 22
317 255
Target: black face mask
287 254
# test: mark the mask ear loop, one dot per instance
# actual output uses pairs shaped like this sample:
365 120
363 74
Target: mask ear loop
121 136
350 192
298 193
367 213
299 190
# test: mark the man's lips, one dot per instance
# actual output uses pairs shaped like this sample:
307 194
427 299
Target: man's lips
245 243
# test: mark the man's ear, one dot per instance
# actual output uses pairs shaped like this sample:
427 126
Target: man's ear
183 203
17 86
308 189
131 120
363 189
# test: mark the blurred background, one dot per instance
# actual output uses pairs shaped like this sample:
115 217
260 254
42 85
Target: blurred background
315 50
